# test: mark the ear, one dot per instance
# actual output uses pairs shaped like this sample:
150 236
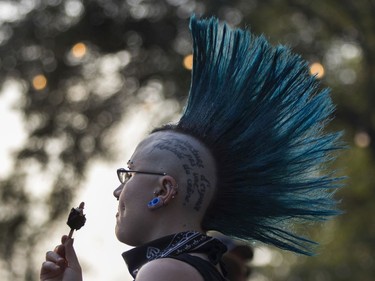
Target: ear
169 189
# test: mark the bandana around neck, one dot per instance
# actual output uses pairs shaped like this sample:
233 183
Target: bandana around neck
174 245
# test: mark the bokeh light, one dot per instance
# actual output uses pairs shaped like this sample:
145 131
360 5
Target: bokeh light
188 62
39 82
317 69
362 139
79 50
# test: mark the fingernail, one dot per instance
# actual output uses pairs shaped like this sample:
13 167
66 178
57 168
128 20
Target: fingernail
68 241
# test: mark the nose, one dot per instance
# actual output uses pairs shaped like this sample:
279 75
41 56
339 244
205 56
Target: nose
117 191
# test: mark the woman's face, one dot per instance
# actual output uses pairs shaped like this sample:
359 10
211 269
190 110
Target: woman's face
134 220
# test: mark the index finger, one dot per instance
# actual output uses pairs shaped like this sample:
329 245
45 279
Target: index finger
71 255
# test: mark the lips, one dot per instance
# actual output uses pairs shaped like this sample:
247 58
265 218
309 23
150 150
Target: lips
121 209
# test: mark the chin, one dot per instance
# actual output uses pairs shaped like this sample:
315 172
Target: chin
127 238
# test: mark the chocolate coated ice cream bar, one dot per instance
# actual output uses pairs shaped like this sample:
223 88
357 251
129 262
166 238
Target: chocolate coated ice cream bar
76 218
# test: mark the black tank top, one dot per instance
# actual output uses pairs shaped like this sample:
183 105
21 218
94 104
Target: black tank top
208 271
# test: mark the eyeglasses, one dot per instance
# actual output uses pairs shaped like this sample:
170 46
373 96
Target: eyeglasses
124 175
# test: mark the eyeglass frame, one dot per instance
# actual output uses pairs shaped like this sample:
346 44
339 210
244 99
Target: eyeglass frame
123 170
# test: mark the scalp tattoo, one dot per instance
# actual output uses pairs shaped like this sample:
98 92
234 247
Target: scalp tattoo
187 169
203 185
197 184
183 150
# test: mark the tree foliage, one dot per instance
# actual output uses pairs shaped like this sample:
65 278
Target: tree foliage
82 64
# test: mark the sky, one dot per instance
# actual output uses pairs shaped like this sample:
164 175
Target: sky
11 125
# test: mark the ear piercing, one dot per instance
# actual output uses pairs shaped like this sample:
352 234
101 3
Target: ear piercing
158 202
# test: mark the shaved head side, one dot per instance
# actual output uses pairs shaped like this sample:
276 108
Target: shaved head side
193 165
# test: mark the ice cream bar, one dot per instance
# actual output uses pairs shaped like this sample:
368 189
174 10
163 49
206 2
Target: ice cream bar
76 218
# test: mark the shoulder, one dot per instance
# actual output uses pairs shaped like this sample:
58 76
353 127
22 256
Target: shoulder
168 269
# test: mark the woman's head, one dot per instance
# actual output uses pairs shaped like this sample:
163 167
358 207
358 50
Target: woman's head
178 170
258 116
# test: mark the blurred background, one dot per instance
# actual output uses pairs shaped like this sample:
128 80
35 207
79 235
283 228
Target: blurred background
83 81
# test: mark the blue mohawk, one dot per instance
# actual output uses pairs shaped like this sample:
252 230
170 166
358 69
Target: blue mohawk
261 113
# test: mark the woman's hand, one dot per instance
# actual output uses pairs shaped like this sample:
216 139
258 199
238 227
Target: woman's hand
62 263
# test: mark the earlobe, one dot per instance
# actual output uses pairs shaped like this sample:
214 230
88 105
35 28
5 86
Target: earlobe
155 203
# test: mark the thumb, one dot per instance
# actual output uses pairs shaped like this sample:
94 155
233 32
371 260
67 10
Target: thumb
70 254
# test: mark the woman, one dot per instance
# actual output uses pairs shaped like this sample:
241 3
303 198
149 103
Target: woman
247 159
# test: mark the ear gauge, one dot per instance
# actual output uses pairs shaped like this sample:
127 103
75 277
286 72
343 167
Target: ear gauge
155 203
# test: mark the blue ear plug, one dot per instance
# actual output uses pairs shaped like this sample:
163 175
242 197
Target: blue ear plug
155 203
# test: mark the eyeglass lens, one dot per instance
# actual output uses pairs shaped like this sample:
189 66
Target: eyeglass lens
123 176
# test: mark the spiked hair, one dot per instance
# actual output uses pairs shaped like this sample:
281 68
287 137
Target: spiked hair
261 113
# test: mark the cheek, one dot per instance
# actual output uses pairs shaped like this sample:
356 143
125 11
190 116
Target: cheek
127 191
135 194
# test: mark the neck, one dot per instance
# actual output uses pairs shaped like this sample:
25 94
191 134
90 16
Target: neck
170 226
